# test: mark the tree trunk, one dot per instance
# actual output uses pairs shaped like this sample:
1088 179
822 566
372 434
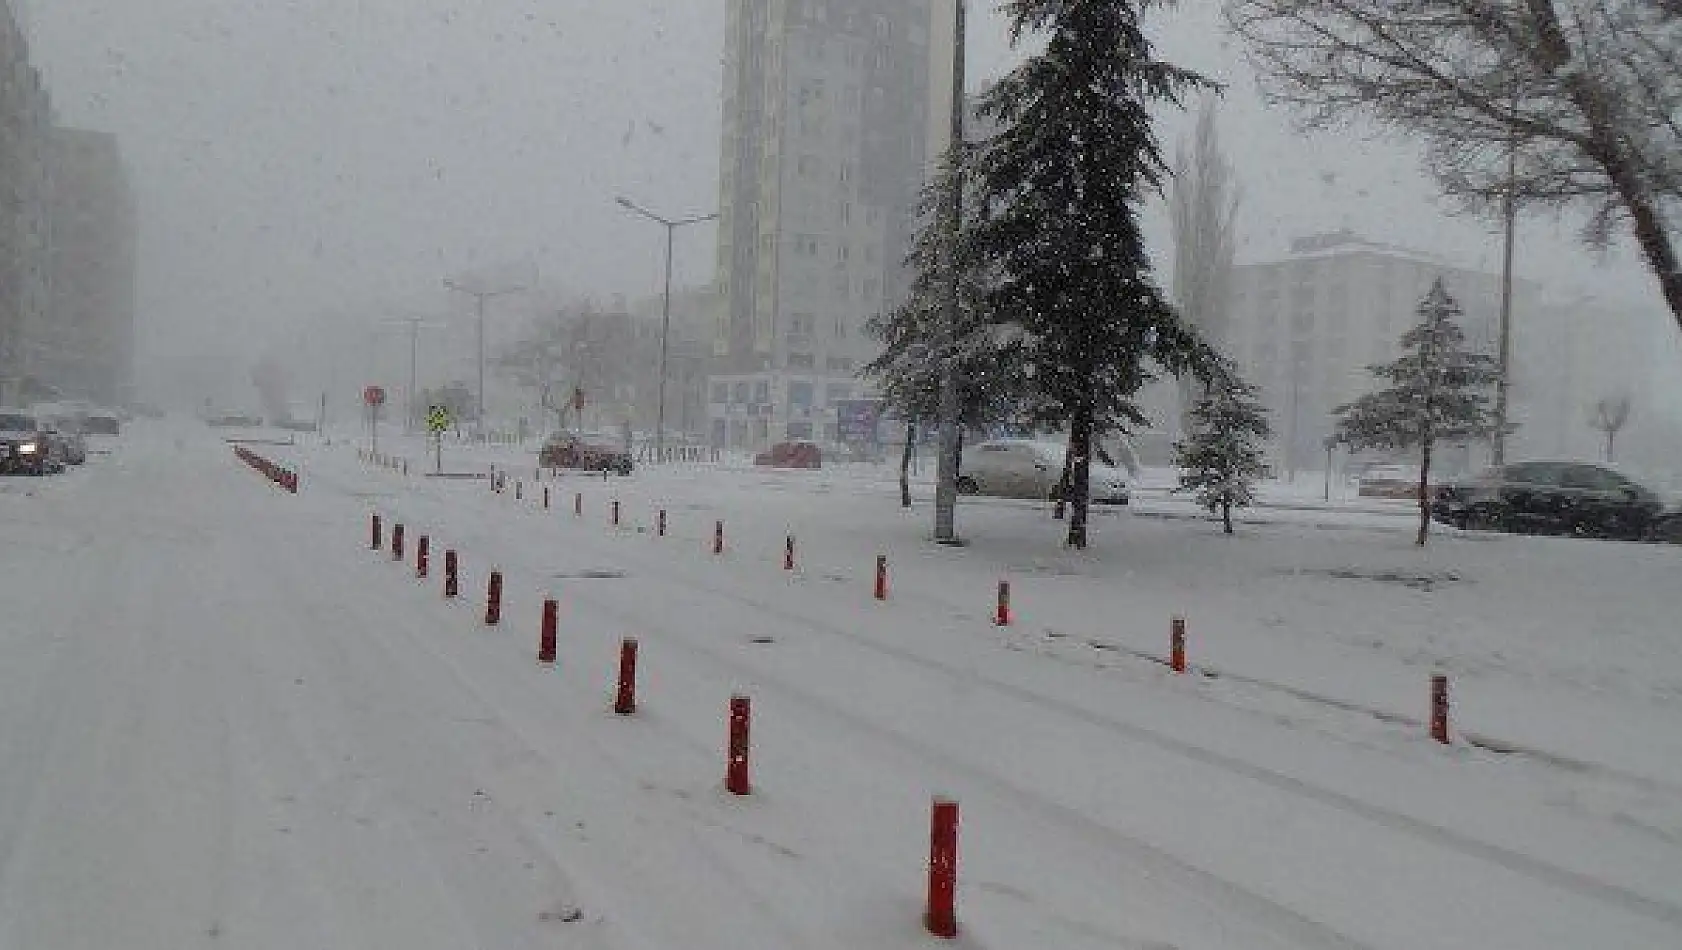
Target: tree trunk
1611 444
905 464
1424 496
1080 449
1061 511
1226 515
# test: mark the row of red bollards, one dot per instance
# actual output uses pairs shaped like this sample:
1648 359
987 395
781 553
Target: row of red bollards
940 913
1002 611
284 477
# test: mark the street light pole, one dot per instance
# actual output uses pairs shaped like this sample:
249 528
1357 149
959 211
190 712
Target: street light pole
946 467
481 296
671 227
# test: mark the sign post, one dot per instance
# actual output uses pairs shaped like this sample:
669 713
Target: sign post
373 397
437 421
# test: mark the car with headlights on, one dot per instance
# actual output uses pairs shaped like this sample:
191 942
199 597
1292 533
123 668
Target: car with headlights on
27 447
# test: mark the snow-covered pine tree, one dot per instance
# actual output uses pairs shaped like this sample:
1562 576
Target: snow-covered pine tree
993 385
1438 391
1224 452
1061 186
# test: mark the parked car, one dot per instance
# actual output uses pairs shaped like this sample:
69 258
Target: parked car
1389 481
27 447
1574 498
1027 468
100 424
797 454
587 452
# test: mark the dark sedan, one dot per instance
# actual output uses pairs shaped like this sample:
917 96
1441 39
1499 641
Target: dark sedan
1568 498
568 450
27 447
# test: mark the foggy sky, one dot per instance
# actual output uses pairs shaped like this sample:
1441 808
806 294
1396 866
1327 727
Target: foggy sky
304 161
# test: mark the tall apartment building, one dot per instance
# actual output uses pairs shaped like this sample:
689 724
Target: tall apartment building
825 149
25 223
1306 328
86 346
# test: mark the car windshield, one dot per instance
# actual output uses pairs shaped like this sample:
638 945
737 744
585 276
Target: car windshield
469 416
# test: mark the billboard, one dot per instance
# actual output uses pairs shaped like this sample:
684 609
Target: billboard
857 421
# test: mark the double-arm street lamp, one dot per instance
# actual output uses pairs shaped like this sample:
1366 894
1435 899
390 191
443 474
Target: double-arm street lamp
671 226
481 295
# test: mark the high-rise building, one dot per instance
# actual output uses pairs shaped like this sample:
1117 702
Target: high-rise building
826 132
25 225
86 346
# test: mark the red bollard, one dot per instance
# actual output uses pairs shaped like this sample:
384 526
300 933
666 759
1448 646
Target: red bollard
397 542
660 523
545 496
625 703
1439 707
374 527
615 516
788 554
493 600
452 587
1177 644
422 548
1001 612
941 917
718 537
546 639
881 577
736 761
578 505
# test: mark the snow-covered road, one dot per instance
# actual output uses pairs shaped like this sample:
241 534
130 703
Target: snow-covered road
224 722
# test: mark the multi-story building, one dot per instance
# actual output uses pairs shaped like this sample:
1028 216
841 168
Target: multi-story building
826 132
1305 329
25 224
85 347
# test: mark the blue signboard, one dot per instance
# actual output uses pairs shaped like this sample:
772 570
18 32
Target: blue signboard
856 420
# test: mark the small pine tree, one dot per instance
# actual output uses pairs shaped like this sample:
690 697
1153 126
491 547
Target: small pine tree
1438 390
1223 453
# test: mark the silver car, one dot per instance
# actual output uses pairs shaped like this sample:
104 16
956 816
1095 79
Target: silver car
1029 468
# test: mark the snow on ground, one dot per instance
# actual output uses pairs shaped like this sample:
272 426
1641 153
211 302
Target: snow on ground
224 721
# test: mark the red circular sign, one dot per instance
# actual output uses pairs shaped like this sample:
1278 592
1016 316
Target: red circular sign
374 395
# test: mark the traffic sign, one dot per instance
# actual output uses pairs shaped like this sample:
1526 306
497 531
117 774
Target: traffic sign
374 395
437 419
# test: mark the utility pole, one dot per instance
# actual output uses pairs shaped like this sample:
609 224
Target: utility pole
946 467
1503 382
671 227
415 324
481 296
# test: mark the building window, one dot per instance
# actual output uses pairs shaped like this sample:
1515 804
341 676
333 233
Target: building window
800 361
741 393
800 324
721 393
839 364
800 395
835 393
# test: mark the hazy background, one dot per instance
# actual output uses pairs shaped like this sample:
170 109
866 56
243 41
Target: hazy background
305 168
